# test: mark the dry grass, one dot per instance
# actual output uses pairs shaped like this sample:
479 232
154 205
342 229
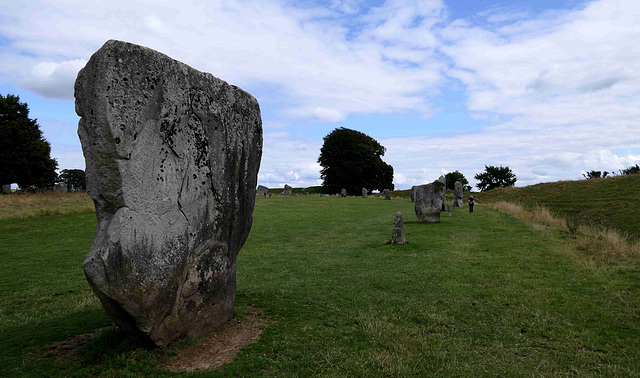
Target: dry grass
29 205
588 242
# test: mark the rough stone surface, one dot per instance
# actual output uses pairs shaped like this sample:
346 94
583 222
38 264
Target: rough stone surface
343 193
398 230
457 194
387 194
412 194
287 190
428 201
172 156
365 192
262 190
448 210
6 189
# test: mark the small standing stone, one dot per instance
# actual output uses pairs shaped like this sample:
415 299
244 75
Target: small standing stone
448 210
457 193
287 190
398 230
364 192
6 189
343 193
387 194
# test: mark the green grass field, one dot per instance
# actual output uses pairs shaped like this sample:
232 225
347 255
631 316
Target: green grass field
477 294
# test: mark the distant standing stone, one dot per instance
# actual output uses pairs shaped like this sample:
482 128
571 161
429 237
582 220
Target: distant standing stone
287 190
444 193
428 201
398 230
343 193
364 192
60 187
262 190
6 189
457 194
412 193
387 194
172 157
448 210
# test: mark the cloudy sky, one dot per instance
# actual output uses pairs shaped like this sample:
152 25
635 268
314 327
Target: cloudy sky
550 88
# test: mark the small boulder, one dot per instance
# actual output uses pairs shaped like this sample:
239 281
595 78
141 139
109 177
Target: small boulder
343 193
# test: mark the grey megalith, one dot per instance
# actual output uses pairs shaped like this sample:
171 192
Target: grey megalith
172 156
457 194
428 201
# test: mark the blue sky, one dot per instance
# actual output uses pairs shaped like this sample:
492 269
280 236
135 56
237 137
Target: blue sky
549 88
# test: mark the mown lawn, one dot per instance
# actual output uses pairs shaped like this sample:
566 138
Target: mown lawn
477 294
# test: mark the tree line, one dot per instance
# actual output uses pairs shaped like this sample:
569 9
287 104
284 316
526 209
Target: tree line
25 155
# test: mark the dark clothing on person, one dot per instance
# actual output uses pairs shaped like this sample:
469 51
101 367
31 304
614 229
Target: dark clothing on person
471 203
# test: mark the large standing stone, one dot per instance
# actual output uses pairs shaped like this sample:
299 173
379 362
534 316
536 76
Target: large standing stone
428 200
172 157
287 190
387 194
412 193
343 193
398 230
262 190
365 192
457 195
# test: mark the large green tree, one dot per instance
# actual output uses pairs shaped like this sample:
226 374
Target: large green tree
74 178
495 177
353 160
24 153
454 176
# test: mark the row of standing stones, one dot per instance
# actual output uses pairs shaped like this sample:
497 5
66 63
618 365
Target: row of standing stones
430 201
172 156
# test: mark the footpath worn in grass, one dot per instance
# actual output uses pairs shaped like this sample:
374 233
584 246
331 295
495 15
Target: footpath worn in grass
475 294
611 202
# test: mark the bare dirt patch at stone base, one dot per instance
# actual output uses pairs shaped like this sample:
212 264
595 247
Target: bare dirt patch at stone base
222 346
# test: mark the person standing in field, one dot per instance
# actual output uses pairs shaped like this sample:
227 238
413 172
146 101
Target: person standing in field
471 203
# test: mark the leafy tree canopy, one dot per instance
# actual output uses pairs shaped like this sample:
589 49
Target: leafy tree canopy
24 153
632 170
595 174
353 160
495 177
454 176
74 178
